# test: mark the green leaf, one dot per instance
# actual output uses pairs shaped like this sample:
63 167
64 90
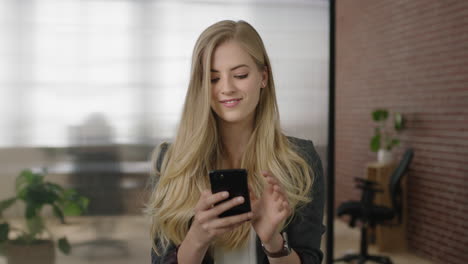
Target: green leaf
399 122
4 230
27 177
384 114
55 187
84 202
376 115
69 195
21 180
380 115
73 203
77 207
41 194
395 142
64 246
5 204
375 143
72 209
21 194
58 213
391 143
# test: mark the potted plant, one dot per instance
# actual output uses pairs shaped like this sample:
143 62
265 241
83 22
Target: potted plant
383 141
34 243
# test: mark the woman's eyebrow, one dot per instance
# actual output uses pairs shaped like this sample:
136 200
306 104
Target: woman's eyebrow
233 68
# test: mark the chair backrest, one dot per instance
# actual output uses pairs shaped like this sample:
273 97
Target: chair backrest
395 181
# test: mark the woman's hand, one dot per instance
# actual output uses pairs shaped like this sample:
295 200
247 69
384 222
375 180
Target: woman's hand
270 210
206 225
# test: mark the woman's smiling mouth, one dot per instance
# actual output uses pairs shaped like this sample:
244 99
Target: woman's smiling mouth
231 102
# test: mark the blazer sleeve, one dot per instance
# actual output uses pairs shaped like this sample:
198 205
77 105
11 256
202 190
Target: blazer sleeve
169 257
306 229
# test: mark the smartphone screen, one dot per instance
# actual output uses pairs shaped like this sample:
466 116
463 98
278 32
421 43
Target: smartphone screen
233 181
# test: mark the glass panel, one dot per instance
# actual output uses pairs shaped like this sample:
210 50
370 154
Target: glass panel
89 87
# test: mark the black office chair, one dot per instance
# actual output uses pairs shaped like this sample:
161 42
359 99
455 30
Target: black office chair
370 214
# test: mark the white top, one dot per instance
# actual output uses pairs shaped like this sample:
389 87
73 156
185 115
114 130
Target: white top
245 255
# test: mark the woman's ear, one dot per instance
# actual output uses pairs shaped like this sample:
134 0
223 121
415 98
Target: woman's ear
265 77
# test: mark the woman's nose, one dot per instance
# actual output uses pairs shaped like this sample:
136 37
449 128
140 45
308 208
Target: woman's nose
227 87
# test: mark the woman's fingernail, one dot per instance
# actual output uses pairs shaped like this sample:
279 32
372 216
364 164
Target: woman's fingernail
240 199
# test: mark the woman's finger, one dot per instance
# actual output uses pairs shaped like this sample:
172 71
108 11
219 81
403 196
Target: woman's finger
268 188
235 225
272 181
222 207
283 214
268 174
225 222
282 194
286 209
223 230
269 177
280 190
200 204
283 204
210 200
204 194
276 194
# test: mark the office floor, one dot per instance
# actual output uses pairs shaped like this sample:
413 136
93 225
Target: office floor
125 239
347 241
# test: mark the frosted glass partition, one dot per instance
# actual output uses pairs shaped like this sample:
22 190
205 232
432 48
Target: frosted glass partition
65 64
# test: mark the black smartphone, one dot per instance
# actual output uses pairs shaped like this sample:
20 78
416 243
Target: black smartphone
233 181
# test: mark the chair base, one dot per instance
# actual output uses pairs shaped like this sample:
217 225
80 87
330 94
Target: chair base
361 259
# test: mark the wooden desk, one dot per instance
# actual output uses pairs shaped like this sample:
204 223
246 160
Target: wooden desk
388 238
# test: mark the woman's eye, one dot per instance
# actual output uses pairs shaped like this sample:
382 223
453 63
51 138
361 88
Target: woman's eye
214 80
242 76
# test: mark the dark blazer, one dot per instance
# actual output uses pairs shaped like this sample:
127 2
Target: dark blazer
305 230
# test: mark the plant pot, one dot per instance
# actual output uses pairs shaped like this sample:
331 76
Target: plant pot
384 156
42 252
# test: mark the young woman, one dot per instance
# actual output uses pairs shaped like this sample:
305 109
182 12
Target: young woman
230 120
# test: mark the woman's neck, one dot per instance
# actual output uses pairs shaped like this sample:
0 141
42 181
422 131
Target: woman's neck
235 137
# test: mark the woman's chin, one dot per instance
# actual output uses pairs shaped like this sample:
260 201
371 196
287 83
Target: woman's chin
235 117
232 118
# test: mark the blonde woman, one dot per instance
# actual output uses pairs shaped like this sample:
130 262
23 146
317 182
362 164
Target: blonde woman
230 120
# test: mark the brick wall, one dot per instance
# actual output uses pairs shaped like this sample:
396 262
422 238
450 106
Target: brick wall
409 56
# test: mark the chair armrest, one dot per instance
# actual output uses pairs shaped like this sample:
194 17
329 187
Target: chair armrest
367 185
369 188
367 195
365 181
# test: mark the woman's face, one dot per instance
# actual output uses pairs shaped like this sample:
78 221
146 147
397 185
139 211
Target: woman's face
235 83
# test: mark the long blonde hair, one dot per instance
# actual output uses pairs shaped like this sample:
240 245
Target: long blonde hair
197 146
